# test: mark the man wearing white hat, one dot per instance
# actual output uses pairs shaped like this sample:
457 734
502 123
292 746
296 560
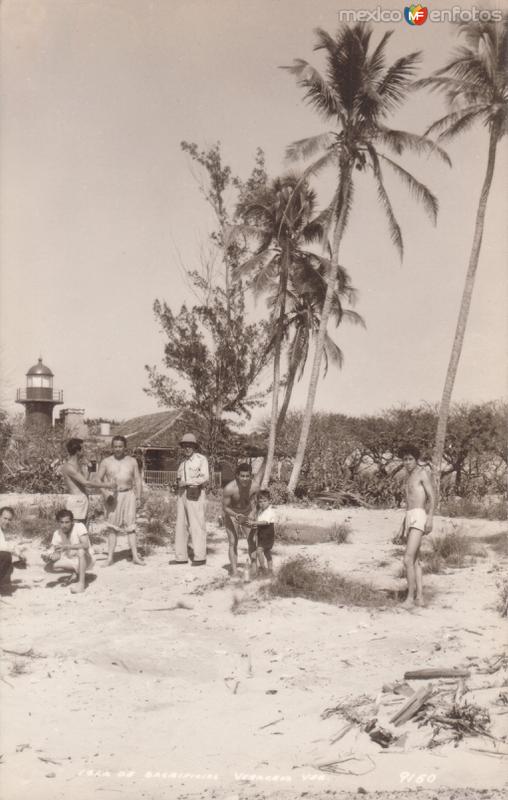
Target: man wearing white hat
193 476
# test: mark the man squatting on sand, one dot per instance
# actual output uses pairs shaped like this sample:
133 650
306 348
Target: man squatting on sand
75 474
70 549
122 504
238 504
417 522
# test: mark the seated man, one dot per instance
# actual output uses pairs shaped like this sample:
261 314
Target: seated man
7 550
71 550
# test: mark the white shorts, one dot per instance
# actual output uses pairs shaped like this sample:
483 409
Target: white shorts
78 504
416 518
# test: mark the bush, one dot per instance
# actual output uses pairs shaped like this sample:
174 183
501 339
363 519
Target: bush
303 577
498 542
341 534
502 605
453 549
466 507
297 533
160 506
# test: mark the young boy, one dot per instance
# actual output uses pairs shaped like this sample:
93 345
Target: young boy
71 549
262 533
417 522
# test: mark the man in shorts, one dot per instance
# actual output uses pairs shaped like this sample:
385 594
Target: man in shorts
75 474
238 504
417 523
121 506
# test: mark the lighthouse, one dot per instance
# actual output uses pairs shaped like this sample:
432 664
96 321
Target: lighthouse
39 397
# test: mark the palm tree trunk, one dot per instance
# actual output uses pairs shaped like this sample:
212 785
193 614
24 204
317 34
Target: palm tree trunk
341 215
292 370
444 408
276 371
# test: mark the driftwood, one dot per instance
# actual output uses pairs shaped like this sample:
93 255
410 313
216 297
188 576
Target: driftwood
429 674
412 706
30 653
269 724
342 732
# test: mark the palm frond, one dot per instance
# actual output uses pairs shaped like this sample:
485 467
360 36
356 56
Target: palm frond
306 148
397 79
333 353
375 64
319 93
417 189
257 262
394 227
456 121
398 141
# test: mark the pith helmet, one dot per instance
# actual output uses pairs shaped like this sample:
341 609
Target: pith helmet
188 438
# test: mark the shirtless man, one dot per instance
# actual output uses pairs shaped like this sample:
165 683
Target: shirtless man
122 505
75 474
417 522
238 505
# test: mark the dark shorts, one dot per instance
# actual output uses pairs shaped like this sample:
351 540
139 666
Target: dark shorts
266 538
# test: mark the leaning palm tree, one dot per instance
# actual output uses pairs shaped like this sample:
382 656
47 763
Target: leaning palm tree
305 299
475 83
279 216
357 93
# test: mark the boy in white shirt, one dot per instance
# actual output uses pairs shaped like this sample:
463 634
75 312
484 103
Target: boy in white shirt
71 549
262 535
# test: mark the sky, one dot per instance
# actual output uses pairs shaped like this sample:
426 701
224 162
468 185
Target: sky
100 210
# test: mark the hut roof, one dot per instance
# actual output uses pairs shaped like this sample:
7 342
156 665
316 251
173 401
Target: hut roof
163 429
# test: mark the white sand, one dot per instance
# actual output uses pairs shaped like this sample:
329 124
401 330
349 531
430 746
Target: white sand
124 687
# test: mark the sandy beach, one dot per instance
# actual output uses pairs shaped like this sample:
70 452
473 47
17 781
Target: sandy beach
149 685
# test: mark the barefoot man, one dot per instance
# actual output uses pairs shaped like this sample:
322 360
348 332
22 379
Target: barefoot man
417 522
238 505
75 474
121 506
70 550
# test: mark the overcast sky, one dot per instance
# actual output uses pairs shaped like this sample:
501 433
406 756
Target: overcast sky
98 204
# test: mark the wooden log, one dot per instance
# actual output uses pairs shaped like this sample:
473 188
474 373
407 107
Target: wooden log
412 706
438 672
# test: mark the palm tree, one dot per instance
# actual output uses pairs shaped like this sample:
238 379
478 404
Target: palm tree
280 216
305 299
357 93
475 83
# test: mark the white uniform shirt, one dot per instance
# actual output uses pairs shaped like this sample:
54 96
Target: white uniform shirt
193 471
269 515
78 530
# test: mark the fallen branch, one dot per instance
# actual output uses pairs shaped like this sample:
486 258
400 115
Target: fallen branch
438 672
413 705
269 724
27 654
342 732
